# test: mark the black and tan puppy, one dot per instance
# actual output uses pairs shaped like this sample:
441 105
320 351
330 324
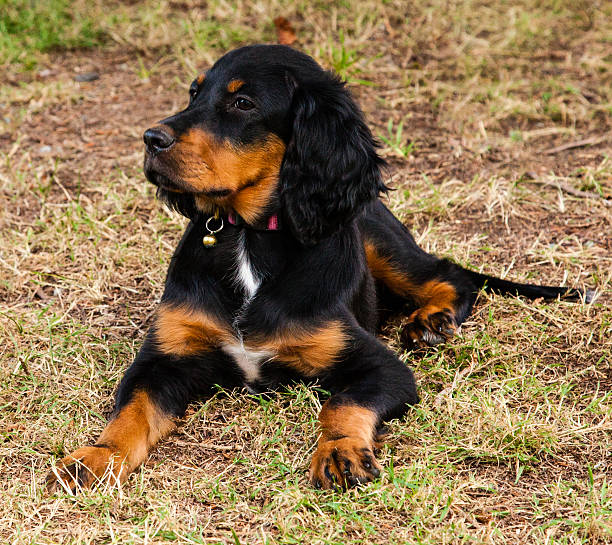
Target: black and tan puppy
279 274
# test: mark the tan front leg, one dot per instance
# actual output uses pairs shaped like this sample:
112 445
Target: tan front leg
122 447
345 453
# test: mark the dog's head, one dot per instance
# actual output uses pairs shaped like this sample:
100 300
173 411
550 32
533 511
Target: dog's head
267 130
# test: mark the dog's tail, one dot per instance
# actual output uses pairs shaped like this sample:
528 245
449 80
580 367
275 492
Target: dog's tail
532 291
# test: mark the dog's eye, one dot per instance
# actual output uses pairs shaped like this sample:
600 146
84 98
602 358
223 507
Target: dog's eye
243 104
193 90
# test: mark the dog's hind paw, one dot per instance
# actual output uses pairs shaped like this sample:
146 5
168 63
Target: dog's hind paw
428 326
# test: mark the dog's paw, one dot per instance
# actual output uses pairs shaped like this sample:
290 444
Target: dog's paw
343 463
85 468
427 326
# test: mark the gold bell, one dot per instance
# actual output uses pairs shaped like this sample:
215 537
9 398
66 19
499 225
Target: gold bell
209 240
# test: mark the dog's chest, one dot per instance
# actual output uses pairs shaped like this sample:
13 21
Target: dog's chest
247 280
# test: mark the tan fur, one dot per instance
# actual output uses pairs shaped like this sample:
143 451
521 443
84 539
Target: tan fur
234 85
204 164
138 426
435 293
347 420
383 270
347 437
307 351
438 295
122 447
180 331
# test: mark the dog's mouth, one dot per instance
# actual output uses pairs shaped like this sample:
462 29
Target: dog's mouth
168 182
163 182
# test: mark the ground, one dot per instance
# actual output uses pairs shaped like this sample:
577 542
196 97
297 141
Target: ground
495 119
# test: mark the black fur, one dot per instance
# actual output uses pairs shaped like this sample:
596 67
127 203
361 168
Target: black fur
331 169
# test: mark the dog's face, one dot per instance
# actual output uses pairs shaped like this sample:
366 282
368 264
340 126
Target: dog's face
227 146
267 130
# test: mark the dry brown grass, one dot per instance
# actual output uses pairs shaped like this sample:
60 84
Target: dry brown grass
511 441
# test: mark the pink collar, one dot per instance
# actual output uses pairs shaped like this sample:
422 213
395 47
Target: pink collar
272 223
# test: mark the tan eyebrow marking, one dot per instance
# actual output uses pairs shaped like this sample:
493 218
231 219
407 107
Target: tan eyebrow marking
234 85
200 78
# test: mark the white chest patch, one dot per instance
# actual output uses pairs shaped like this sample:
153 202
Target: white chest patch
248 360
245 275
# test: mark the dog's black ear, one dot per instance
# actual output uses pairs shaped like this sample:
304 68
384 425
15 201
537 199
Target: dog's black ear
331 169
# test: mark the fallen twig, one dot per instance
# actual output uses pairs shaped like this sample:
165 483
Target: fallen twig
576 144
571 190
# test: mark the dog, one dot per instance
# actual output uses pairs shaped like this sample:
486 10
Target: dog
278 277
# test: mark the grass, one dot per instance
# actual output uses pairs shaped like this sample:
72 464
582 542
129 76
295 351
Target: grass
511 441
394 141
28 27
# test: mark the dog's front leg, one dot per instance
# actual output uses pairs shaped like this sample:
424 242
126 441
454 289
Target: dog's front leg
372 385
154 392
137 425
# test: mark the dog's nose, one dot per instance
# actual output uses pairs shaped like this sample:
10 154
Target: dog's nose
157 139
